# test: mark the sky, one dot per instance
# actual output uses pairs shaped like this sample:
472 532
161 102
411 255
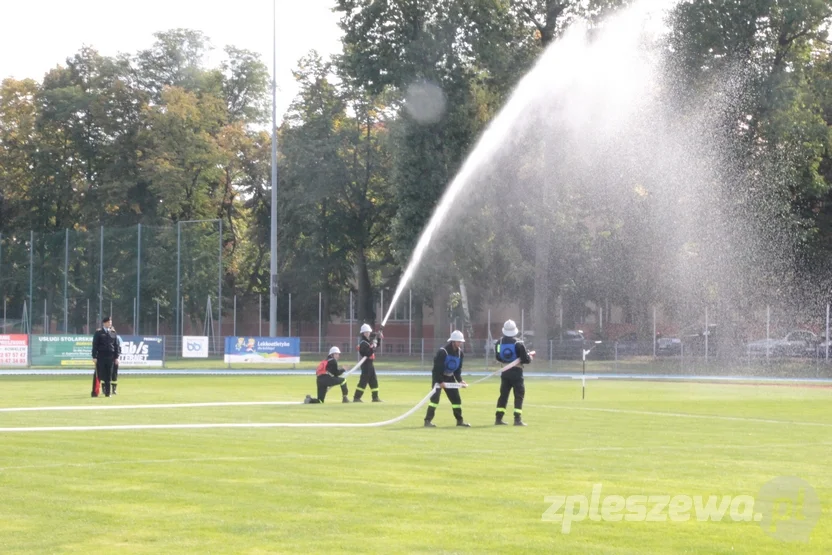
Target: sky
37 35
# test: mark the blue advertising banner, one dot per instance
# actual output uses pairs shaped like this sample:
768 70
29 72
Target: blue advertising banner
275 350
141 351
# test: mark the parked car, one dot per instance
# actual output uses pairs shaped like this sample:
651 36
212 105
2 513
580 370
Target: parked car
570 345
796 343
629 345
667 346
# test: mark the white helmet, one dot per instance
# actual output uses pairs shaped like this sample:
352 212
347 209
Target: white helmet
456 335
366 328
510 328
335 351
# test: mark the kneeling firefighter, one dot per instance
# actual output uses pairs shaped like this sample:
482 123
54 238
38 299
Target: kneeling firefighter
329 375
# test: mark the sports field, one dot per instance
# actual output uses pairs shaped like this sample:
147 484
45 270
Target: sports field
403 488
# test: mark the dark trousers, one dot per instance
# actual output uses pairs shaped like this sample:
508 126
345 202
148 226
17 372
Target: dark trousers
453 397
325 381
368 377
115 375
511 379
104 371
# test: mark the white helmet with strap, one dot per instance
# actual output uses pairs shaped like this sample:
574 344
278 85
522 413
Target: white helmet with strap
335 351
365 328
456 335
510 329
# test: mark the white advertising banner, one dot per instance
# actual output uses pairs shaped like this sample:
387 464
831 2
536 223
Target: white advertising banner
194 346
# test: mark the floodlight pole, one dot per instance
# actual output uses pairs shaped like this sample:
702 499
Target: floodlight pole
273 267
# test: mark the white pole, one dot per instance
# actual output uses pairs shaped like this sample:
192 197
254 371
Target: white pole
235 315
600 319
768 329
260 316
157 316
290 315
382 305
352 314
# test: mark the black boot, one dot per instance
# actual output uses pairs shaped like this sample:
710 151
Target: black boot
499 421
345 399
114 389
429 424
518 420
463 424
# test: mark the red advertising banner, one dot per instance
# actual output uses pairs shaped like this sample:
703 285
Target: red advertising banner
14 350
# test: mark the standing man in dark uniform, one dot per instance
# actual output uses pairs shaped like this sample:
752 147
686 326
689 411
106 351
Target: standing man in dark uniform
508 350
329 375
367 348
105 351
447 368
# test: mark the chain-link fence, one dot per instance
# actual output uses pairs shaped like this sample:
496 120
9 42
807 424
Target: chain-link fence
150 279
169 281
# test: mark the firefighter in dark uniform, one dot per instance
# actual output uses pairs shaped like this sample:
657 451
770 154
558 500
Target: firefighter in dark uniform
447 368
367 346
329 375
509 349
105 351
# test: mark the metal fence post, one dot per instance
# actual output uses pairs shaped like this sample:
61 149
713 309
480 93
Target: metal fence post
101 278
138 280
410 322
178 276
320 320
655 339
66 278
31 275
827 332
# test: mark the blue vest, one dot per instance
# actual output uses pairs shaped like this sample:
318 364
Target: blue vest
452 364
508 352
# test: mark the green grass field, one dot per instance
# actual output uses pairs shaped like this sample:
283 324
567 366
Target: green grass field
401 488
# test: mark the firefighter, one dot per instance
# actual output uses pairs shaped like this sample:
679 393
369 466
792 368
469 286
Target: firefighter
328 375
105 351
509 349
447 368
367 345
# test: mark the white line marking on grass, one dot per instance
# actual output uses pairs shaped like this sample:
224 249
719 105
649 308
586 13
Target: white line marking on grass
158 406
688 415
222 424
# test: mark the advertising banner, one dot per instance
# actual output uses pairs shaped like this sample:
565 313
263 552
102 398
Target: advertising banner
274 350
62 350
14 350
141 351
195 346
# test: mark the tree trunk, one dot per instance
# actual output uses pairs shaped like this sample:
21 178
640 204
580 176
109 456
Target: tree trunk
441 321
366 310
466 312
